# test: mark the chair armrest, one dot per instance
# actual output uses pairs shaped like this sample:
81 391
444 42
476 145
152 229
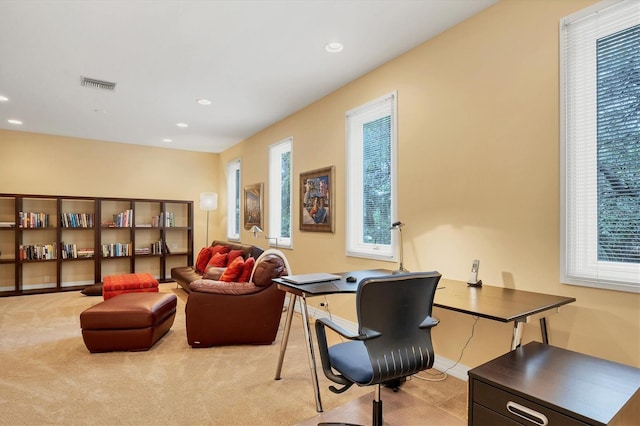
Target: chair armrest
346 333
429 322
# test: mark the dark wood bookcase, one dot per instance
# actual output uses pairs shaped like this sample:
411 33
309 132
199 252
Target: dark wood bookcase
51 243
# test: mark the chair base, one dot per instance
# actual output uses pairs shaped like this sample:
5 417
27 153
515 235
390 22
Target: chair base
377 412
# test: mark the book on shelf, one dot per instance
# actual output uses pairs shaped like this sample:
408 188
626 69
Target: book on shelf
76 220
33 220
37 251
116 250
7 224
166 219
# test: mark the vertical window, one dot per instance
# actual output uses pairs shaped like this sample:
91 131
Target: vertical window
233 200
600 83
280 187
371 179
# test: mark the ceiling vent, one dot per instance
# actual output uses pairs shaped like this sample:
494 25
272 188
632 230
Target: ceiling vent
97 84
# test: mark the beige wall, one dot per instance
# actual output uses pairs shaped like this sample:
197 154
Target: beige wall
33 163
479 176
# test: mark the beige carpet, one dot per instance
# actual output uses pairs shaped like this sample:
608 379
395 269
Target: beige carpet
48 376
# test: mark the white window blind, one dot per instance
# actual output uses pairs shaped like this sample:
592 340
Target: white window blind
371 179
280 188
233 200
600 121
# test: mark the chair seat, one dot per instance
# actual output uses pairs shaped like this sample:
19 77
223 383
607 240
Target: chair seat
352 360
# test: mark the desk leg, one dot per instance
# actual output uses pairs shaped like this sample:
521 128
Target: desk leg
312 360
285 334
543 330
516 339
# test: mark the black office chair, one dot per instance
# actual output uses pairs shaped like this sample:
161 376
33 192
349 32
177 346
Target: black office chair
394 334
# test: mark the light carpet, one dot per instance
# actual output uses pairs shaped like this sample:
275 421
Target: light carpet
49 377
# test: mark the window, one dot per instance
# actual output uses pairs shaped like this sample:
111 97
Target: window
371 179
280 188
233 200
600 85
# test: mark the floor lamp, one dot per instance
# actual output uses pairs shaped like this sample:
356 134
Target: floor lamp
398 225
208 202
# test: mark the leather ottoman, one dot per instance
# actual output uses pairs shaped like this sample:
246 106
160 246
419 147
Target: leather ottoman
114 285
128 322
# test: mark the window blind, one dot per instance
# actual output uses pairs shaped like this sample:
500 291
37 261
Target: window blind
600 84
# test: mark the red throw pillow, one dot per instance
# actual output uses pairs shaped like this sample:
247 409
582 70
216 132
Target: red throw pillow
203 258
246 271
219 249
233 254
233 271
219 260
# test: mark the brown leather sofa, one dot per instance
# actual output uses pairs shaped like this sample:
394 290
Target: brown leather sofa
223 313
185 275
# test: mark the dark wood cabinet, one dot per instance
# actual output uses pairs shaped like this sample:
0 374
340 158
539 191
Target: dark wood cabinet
54 243
539 384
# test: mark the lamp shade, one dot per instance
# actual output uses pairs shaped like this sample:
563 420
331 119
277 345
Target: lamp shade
208 201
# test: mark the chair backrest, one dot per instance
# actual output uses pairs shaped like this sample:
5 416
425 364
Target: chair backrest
396 306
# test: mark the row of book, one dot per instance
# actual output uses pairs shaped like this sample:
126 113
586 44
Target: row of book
71 251
76 220
38 251
33 220
166 219
116 250
121 220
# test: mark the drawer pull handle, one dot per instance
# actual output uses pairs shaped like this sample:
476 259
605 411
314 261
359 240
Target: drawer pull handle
527 413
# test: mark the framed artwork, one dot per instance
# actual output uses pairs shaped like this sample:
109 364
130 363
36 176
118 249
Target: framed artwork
253 205
316 200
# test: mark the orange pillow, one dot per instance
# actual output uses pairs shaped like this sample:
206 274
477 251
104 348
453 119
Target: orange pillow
233 271
219 249
246 271
233 254
219 260
203 258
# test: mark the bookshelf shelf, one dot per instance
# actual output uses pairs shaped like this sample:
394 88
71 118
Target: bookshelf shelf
75 230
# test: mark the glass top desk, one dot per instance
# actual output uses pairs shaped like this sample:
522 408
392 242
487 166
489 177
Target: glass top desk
494 303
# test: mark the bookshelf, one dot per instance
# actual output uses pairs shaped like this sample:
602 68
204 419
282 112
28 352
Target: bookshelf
58 243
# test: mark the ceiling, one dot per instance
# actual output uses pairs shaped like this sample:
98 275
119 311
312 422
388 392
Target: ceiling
256 61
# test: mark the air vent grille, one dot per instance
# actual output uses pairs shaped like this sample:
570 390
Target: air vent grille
97 84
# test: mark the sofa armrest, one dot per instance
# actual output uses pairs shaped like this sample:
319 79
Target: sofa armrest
221 287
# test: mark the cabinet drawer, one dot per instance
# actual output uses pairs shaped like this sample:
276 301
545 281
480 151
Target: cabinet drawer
482 416
518 409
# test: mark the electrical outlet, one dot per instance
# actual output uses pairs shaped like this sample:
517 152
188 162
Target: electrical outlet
324 305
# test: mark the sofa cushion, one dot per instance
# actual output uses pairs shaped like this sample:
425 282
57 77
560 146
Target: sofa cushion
233 271
231 256
213 273
219 248
219 287
203 258
218 259
246 271
270 267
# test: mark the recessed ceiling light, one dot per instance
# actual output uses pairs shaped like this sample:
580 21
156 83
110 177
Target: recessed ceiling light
334 47
3 98
14 121
203 101
182 125
167 140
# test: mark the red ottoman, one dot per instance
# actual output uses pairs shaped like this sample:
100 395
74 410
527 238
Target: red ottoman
114 285
129 322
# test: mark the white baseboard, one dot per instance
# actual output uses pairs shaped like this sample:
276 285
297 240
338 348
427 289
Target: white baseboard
458 371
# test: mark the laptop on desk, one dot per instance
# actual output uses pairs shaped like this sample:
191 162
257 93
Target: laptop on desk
319 277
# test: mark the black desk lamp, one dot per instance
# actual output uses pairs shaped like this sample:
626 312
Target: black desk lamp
398 225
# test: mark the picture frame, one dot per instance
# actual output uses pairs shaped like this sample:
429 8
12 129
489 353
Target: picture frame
317 203
253 210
